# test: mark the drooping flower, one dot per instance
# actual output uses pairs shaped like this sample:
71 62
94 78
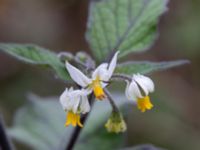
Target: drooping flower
100 76
138 90
75 103
116 123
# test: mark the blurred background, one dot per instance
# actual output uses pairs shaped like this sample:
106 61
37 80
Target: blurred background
60 25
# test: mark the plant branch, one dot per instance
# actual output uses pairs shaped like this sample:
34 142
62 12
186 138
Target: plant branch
110 99
5 143
69 57
84 66
121 77
78 129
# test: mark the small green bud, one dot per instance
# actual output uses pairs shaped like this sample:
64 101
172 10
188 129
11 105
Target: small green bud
82 56
116 123
65 56
85 58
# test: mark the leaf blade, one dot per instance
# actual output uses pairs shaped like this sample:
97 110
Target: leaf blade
125 25
36 55
145 67
40 124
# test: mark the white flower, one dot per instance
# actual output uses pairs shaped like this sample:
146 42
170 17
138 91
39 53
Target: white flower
138 90
74 102
100 76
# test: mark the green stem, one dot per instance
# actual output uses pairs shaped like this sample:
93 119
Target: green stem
110 99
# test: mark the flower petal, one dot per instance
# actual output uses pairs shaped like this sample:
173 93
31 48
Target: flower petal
127 91
130 96
113 64
63 99
103 84
67 99
84 105
78 76
71 89
100 71
76 101
146 83
134 90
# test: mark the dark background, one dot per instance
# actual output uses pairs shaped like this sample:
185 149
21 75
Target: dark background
60 25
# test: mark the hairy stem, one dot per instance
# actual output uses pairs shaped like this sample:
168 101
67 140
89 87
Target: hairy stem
110 99
69 57
78 129
5 143
121 77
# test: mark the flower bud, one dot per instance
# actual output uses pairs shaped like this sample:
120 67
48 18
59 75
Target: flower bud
116 123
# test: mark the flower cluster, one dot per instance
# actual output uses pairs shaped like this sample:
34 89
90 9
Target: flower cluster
75 102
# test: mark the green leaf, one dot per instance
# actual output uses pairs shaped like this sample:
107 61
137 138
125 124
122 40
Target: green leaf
40 124
36 55
125 25
145 67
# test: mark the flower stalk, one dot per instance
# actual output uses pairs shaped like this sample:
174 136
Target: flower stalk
122 77
116 122
110 99
5 142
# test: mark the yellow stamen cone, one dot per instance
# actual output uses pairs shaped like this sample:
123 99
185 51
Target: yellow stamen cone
68 119
79 121
144 104
73 119
97 89
98 92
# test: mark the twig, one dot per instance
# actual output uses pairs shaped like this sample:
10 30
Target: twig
110 99
81 64
78 129
122 77
5 143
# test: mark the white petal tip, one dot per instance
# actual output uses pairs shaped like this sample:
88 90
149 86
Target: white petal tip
117 52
